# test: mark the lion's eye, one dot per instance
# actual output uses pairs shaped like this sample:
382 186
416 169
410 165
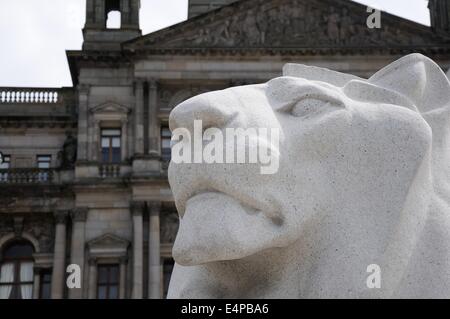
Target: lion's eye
309 107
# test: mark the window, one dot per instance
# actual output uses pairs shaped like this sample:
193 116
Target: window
5 164
16 273
166 136
111 148
45 284
113 20
108 281
5 161
112 14
43 163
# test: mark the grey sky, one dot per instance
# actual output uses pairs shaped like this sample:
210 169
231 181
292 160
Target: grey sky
34 34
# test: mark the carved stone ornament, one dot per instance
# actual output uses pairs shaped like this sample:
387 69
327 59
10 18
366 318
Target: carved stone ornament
169 226
137 208
42 229
61 216
293 24
68 155
362 189
79 214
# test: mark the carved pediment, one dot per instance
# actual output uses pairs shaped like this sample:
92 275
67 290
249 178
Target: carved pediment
288 24
110 108
108 241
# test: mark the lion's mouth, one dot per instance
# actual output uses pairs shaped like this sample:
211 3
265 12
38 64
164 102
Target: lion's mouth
248 205
216 226
205 196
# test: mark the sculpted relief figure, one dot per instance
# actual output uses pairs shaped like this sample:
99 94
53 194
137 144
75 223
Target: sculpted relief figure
68 155
297 22
363 179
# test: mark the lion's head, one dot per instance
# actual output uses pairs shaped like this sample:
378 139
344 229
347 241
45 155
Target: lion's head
360 164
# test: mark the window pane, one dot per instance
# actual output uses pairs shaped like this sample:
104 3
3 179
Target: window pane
102 275
45 286
44 158
45 291
47 277
43 165
105 155
6 162
113 292
26 272
113 274
26 291
165 132
17 268
105 142
116 155
107 282
166 143
18 250
116 142
7 273
101 292
44 161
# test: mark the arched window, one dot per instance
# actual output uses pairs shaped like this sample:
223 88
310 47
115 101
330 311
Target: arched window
16 273
113 14
114 20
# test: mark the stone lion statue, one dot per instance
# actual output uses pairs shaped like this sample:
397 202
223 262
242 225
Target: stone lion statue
363 180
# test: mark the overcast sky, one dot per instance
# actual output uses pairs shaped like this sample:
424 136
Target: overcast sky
34 34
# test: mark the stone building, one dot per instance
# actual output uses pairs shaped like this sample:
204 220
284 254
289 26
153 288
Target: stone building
84 173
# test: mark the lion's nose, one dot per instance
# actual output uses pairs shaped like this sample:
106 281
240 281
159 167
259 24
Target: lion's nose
209 108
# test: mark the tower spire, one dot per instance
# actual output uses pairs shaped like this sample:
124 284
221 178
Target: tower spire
440 15
96 34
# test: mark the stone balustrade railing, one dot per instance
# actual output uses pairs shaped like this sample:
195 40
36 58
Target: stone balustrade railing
26 176
109 170
30 95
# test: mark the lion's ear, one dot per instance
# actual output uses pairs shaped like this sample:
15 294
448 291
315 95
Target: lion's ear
419 79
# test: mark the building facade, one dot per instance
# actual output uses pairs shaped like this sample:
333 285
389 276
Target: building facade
84 174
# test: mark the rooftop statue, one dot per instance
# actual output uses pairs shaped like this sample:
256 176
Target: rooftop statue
363 179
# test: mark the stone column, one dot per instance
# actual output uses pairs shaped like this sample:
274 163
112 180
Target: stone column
137 211
139 119
92 294
124 140
79 216
59 256
83 93
153 122
123 277
135 6
94 147
100 13
36 282
154 254
125 11
90 14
